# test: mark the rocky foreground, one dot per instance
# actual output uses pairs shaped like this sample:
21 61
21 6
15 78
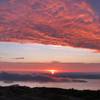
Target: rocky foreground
25 93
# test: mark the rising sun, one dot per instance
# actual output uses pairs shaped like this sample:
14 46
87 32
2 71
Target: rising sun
52 71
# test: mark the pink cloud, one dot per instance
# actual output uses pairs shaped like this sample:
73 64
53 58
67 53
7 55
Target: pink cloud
64 67
57 22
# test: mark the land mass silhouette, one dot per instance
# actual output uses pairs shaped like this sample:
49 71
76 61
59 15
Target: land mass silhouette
17 92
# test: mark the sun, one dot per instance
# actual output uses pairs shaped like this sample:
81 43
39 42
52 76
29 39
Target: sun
52 71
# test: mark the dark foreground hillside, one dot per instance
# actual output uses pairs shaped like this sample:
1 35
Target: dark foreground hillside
26 93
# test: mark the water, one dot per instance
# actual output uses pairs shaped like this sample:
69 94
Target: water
92 84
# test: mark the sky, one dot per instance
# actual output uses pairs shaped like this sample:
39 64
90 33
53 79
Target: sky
50 34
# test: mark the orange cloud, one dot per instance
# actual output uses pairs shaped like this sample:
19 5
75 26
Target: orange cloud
58 22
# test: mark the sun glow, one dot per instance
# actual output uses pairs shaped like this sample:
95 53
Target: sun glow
52 71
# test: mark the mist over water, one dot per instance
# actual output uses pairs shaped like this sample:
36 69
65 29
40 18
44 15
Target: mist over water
91 84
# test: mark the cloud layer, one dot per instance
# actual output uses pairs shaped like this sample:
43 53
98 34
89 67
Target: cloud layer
36 77
57 22
45 77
